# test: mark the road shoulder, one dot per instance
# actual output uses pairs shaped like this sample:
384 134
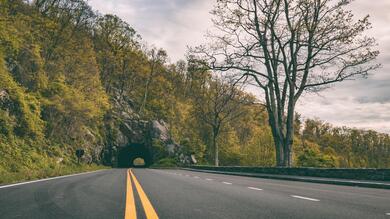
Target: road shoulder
344 182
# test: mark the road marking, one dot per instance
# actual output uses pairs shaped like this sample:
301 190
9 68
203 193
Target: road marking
208 179
254 188
305 198
47 179
196 177
388 214
227 183
130 211
148 207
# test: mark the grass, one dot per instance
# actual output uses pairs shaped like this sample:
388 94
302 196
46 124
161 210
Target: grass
26 159
60 170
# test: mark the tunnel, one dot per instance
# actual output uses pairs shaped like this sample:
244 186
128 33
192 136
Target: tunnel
134 155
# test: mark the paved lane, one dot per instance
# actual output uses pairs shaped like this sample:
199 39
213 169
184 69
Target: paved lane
186 194
95 195
204 195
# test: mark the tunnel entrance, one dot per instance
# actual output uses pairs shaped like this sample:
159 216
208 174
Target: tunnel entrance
139 162
134 155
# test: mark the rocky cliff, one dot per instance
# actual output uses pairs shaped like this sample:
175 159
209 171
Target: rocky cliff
124 128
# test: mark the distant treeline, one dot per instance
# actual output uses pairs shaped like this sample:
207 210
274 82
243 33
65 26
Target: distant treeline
346 146
62 65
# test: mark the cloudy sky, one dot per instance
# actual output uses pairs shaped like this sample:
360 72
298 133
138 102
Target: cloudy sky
174 24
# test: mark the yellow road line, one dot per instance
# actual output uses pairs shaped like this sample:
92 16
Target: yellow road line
148 208
130 212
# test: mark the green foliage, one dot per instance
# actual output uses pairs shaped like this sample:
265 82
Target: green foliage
352 147
312 158
51 93
165 162
21 107
259 149
62 66
194 146
159 151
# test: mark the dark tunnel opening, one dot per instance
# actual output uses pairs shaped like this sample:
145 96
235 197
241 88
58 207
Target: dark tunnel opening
134 155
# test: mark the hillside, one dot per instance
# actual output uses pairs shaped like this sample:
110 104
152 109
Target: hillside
65 70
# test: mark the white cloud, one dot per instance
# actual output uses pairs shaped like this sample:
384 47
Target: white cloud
170 24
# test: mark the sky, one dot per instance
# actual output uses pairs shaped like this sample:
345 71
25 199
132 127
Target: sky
176 24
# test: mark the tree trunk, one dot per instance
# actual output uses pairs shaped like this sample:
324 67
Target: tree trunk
287 155
216 150
279 149
148 82
277 137
289 139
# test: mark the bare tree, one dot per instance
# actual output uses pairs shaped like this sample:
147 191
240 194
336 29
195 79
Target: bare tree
218 105
288 47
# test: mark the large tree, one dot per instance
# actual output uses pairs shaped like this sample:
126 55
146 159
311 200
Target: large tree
288 47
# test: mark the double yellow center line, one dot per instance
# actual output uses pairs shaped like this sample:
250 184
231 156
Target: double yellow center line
131 212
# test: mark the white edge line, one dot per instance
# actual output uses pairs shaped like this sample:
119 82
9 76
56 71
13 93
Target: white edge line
254 188
227 183
47 179
305 198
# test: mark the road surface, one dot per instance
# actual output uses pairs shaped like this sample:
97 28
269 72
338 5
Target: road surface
151 193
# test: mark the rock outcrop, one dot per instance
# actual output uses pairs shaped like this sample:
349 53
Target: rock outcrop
5 101
124 127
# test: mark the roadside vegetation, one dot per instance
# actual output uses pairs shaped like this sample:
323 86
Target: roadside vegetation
165 163
46 172
62 65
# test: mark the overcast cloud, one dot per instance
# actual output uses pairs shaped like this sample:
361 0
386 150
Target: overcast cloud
174 24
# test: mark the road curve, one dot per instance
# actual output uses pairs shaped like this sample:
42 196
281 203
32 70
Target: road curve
186 194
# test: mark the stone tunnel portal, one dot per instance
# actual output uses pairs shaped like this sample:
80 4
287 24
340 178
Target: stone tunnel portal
127 156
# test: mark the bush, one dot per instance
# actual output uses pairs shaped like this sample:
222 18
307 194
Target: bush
311 158
165 162
159 151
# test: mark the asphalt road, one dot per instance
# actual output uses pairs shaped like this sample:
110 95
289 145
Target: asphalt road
186 194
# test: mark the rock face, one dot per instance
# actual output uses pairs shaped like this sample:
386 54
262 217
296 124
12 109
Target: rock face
125 129
5 101
160 131
93 147
3 95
